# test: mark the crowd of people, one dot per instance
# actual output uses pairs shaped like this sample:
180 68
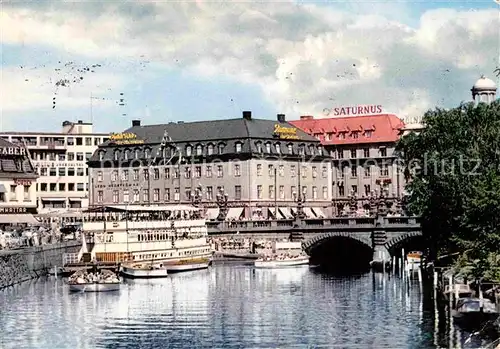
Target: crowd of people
19 237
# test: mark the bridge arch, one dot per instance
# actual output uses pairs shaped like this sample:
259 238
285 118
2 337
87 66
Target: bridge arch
309 244
401 238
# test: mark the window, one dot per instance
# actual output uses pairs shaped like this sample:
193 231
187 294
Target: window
79 141
271 192
80 171
199 150
167 173
210 193
100 196
62 186
13 196
355 135
368 171
325 193
62 157
80 187
187 193
156 195
79 156
320 150
384 170
43 171
62 171
282 192
208 171
53 187
367 190
278 148
188 150
290 149
368 133
354 171
187 172
259 170
147 153
220 171
383 151
114 176
210 149
259 191
315 192
301 149
136 195
237 192
341 135
268 147
270 169
221 148
293 192
354 189
353 153
145 195
259 147
177 194
97 141
314 172
136 154
366 152
70 141
176 173
166 195
281 170
238 147
341 190
136 175
342 171
237 171
43 186
71 186
324 172
145 174
340 153
156 173
304 191
125 175
304 171
311 149
126 196
52 172
197 171
115 196
126 154
293 171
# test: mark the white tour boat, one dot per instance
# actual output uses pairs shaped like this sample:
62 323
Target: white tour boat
103 281
281 261
414 260
144 270
174 235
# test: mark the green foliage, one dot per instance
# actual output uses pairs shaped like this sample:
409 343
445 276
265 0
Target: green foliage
454 166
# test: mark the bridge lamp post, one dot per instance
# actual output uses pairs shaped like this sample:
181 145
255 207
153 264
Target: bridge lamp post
300 200
222 202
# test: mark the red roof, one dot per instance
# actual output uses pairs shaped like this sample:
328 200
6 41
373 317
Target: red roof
380 128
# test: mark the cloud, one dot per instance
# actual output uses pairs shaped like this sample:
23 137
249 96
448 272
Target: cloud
305 57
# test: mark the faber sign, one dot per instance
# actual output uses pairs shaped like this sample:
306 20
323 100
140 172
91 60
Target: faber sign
12 151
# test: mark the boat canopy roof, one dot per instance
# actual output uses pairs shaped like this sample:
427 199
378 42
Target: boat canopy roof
142 208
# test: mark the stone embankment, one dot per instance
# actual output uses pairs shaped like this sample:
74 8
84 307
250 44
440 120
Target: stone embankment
28 263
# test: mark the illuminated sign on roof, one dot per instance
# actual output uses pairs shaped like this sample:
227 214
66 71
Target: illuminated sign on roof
357 110
285 132
125 138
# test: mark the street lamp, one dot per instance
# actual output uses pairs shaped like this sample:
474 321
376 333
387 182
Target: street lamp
222 199
197 196
352 202
300 200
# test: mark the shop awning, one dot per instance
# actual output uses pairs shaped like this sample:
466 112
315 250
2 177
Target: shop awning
54 199
212 213
318 212
286 212
18 219
234 213
309 213
276 215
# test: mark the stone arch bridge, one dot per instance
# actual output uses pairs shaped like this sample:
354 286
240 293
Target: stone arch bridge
381 234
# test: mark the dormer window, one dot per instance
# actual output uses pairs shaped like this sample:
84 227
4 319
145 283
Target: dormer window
221 148
320 150
341 135
328 136
147 153
117 155
268 147
189 150
259 147
301 149
101 155
136 154
368 133
238 147
126 154
278 148
311 149
290 148
210 149
199 150
355 135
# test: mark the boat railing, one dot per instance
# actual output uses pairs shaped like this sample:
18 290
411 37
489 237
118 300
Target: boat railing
70 258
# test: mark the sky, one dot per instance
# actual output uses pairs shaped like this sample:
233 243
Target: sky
109 62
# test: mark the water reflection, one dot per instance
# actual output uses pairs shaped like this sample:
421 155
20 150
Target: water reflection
231 307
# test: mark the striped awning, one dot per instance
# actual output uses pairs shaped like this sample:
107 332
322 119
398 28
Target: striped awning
212 213
318 212
286 212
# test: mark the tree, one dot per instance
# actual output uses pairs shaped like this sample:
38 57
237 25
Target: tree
454 171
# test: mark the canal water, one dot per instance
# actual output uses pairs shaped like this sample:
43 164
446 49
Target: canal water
229 307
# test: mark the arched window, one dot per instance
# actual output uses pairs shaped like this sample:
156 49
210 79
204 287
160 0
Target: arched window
199 150
278 148
221 148
101 155
258 145
268 147
147 153
136 154
126 154
210 149
117 155
238 147
189 150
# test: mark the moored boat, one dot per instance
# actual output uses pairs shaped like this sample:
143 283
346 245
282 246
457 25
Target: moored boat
281 261
188 265
144 270
473 311
103 281
414 260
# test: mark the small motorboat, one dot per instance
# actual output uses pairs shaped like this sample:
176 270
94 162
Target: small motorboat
187 265
102 281
144 270
473 311
414 260
282 261
457 291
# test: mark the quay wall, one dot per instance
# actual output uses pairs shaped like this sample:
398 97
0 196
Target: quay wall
28 263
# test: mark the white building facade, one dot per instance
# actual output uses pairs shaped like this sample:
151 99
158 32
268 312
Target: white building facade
60 160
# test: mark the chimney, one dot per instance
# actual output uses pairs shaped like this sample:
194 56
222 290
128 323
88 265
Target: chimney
80 121
247 115
136 123
281 117
306 117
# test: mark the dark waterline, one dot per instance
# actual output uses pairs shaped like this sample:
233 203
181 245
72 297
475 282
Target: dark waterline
228 307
